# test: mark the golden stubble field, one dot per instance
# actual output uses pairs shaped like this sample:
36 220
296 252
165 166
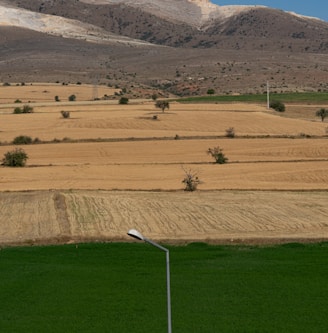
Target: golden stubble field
125 169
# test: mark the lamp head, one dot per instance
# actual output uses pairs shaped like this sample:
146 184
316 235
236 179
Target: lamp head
135 234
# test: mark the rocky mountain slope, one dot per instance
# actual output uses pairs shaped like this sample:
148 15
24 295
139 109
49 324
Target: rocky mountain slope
188 23
184 46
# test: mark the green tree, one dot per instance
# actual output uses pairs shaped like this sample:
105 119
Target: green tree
322 113
22 140
18 110
72 98
210 91
162 105
15 158
26 109
278 106
217 154
65 114
154 97
123 100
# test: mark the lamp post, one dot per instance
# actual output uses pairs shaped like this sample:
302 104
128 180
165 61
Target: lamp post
136 234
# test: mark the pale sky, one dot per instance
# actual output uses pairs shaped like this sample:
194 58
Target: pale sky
316 8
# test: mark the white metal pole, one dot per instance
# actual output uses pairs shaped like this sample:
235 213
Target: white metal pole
268 95
136 234
168 283
169 322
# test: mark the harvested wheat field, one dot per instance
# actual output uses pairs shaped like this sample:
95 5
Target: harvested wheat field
214 216
110 167
38 93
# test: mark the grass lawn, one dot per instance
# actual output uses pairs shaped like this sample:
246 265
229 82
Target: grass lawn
119 287
319 97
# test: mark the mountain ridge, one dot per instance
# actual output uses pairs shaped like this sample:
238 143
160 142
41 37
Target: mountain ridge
128 45
133 19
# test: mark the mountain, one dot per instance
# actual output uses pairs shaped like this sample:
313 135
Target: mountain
183 46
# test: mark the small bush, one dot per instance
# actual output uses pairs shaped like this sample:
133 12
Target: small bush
162 105
57 99
72 98
123 100
65 114
217 154
18 101
277 106
15 158
27 109
230 132
22 140
210 91
18 110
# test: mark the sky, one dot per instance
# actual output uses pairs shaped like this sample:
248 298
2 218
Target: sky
316 8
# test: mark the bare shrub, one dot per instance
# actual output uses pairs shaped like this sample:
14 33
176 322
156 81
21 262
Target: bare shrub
230 132
27 109
190 180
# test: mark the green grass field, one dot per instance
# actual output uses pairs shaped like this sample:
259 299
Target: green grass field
118 287
319 97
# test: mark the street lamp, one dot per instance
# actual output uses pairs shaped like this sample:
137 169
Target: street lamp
136 234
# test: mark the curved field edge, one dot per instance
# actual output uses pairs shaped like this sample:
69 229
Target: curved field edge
43 217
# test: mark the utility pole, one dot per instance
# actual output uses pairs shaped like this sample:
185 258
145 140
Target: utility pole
268 95
95 87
